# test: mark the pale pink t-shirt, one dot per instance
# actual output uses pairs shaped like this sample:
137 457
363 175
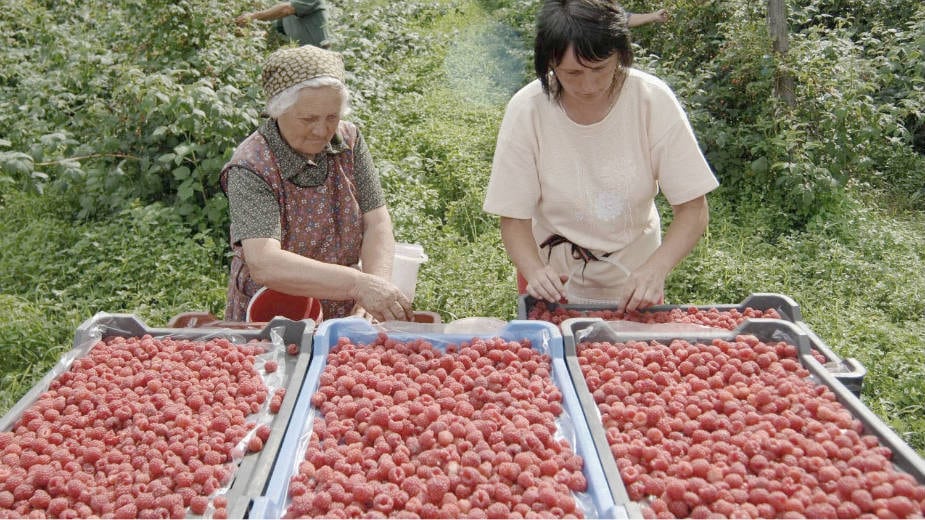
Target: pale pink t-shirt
596 184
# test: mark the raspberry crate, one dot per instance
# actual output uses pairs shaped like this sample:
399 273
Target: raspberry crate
601 358
848 370
544 338
251 469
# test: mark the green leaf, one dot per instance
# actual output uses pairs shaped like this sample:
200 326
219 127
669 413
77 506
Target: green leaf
182 150
760 165
16 162
181 172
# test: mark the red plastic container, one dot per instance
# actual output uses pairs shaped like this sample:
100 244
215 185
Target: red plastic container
268 303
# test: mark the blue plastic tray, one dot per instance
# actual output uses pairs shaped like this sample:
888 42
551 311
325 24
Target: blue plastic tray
543 336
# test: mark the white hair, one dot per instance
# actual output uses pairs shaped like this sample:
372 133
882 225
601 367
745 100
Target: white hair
280 103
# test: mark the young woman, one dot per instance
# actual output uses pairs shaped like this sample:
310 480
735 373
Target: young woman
582 153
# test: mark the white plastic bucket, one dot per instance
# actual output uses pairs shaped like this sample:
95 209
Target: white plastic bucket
408 259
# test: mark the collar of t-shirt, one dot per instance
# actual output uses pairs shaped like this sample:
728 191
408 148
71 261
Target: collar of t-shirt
294 167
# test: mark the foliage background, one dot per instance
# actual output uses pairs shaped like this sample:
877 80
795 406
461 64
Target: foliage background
115 119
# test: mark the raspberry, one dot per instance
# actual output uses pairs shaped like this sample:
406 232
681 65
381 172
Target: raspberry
56 506
127 511
383 503
199 504
497 510
255 444
270 366
213 458
202 474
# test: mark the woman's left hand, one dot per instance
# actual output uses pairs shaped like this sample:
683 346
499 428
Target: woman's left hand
644 288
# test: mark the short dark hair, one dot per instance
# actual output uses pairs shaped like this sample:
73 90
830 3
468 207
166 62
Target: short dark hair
596 28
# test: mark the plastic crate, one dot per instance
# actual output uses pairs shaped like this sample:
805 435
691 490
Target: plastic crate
253 469
543 336
578 330
784 305
849 371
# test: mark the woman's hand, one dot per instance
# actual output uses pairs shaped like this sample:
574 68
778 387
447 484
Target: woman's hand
381 299
543 282
243 20
644 288
546 284
646 285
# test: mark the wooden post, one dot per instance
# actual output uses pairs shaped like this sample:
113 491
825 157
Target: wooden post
777 26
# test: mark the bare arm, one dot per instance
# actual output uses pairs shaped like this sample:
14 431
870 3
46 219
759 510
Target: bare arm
292 273
647 283
637 19
542 282
276 12
378 247
282 270
377 254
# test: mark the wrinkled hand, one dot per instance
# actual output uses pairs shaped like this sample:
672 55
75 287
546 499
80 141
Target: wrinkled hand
381 299
643 289
360 312
546 284
243 20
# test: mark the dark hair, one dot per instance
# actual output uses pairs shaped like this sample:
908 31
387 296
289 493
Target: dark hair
596 28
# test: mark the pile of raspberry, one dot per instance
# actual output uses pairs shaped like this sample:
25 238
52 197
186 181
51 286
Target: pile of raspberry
728 320
405 430
738 428
138 427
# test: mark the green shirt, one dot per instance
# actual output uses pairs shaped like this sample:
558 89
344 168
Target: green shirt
253 207
309 24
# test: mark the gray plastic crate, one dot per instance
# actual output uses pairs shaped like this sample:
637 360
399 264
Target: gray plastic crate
784 305
848 370
578 330
254 468
543 336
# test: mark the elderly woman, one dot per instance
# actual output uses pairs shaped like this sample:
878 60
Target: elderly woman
308 216
581 155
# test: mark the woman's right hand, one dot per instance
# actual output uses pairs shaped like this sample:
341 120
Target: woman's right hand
546 284
381 298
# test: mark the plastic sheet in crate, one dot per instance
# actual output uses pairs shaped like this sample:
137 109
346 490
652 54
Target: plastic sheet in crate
904 463
149 417
543 337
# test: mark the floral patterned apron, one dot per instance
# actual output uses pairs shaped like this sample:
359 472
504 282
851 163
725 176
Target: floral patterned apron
321 222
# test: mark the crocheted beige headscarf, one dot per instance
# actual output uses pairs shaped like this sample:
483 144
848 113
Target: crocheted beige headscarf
290 66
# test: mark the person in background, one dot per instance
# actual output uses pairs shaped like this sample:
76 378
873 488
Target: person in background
638 19
302 21
308 216
582 153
